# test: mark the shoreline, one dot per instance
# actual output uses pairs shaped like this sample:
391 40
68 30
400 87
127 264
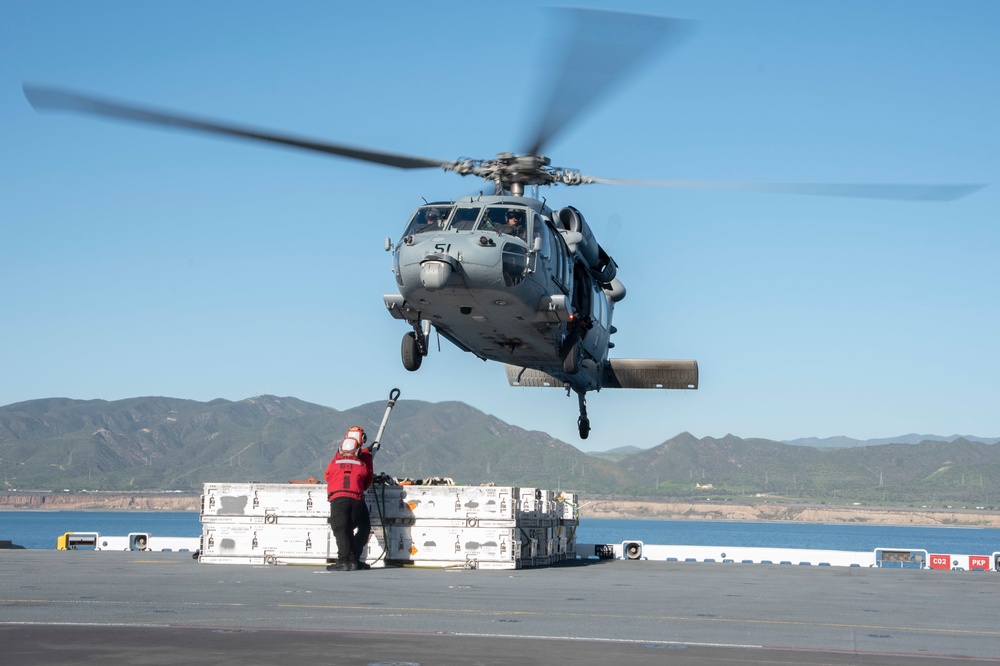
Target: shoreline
99 501
596 508
794 513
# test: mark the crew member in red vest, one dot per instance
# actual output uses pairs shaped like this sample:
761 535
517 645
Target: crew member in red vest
348 476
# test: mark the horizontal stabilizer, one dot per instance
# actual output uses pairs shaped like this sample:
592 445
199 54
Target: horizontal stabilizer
641 373
634 373
518 376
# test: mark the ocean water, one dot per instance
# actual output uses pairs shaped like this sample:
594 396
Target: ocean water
957 540
40 529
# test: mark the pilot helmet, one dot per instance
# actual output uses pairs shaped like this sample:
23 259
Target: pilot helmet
353 441
433 214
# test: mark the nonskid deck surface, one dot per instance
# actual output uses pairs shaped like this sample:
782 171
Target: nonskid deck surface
62 607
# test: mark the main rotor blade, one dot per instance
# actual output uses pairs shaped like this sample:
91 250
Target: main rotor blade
600 49
904 192
55 99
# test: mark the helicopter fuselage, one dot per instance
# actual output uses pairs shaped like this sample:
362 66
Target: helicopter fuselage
505 278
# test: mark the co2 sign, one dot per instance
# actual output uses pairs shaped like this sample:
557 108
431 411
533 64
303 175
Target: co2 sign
940 561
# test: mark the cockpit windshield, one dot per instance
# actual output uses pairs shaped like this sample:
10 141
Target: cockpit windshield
465 218
503 219
428 219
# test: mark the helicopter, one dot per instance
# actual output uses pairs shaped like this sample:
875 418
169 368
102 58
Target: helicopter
503 275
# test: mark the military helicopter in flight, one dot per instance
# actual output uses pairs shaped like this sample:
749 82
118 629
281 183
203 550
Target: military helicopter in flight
503 275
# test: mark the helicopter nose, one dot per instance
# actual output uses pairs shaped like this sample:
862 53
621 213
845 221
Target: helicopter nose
434 274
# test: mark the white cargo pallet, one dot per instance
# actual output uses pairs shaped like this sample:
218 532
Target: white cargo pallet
482 527
280 540
452 522
279 545
413 543
449 502
263 499
273 519
446 502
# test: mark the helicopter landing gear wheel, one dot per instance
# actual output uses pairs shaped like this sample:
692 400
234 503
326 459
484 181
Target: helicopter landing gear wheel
571 361
583 423
410 351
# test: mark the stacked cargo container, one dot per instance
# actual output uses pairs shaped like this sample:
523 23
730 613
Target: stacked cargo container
479 527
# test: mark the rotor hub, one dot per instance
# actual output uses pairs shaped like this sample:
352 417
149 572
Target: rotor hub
513 172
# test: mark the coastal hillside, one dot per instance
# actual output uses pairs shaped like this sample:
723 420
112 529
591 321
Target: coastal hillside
161 444
929 473
169 444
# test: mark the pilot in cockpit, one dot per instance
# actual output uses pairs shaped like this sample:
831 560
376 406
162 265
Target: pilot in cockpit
432 221
515 224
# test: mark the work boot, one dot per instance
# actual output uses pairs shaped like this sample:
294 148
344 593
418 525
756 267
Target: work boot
341 566
362 566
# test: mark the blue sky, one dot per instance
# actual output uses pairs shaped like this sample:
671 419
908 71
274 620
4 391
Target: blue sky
144 262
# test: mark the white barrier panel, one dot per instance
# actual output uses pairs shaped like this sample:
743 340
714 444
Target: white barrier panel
880 557
637 550
134 541
965 562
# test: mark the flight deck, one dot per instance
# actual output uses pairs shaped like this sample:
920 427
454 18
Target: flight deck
144 607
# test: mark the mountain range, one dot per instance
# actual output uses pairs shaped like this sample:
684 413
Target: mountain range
912 438
158 443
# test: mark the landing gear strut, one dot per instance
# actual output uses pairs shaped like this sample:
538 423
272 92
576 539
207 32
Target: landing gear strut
414 346
583 423
410 351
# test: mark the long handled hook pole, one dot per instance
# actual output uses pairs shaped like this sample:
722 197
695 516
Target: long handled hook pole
393 397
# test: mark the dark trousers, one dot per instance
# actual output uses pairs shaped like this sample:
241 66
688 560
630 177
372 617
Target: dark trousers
351 527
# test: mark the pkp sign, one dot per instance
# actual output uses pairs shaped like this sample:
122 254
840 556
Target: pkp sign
981 562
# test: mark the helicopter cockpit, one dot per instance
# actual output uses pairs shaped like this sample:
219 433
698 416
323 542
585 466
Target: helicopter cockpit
505 224
501 219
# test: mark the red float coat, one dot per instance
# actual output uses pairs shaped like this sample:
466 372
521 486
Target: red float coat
350 476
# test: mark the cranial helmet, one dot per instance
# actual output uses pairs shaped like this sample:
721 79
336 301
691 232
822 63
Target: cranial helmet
354 440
